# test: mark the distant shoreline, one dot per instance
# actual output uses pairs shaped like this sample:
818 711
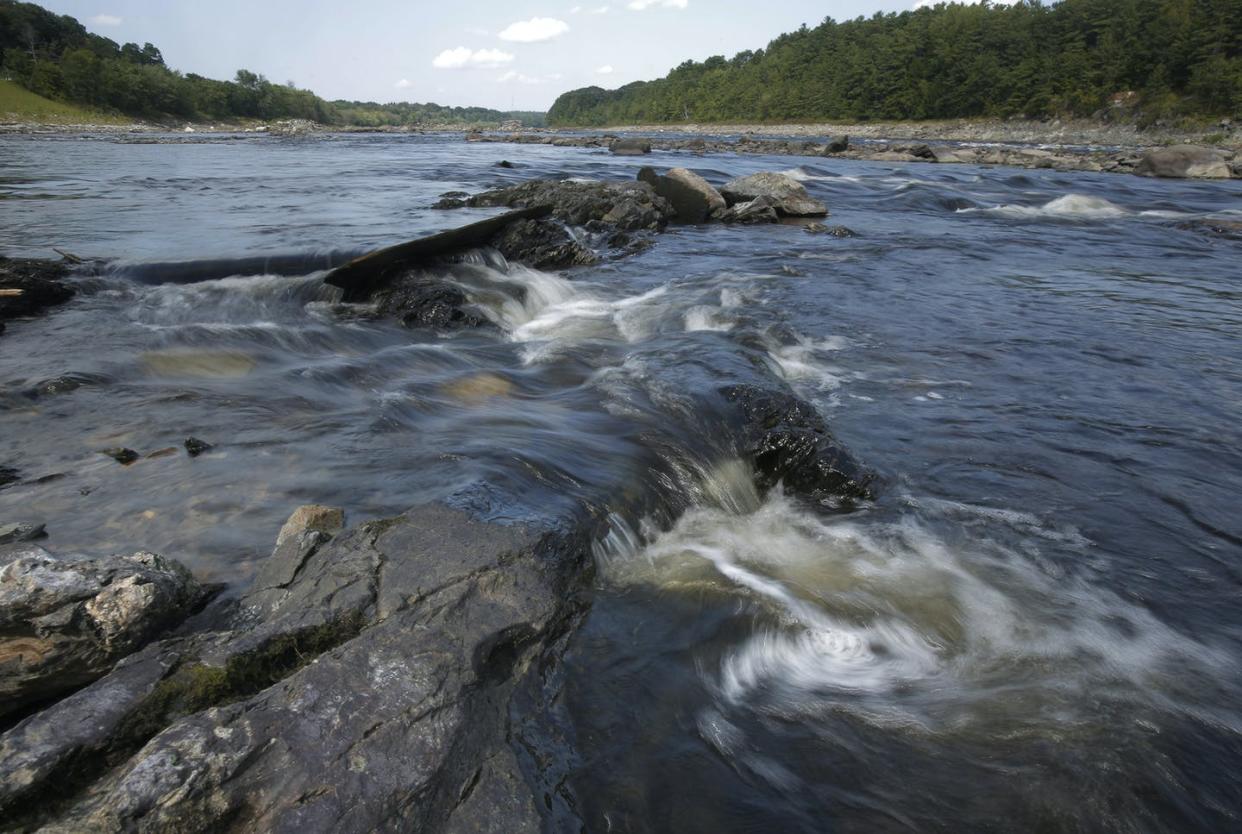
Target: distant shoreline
1053 133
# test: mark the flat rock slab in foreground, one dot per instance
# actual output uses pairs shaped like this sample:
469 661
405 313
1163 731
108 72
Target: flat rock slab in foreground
65 622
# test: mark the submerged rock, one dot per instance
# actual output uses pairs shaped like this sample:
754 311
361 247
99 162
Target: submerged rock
64 623
1185 161
20 531
199 363
693 198
787 195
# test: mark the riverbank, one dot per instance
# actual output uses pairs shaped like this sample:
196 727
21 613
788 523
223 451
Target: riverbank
1054 132
1174 161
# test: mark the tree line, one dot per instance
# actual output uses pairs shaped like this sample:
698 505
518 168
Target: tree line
1151 58
56 57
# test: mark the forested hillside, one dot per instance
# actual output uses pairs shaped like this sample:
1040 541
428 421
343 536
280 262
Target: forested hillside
1157 58
54 56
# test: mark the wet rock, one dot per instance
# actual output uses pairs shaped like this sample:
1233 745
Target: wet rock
758 210
392 278
837 144
788 196
64 623
8 475
834 231
28 287
504 163
122 455
308 517
404 724
693 198
788 442
195 447
20 532
921 151
628 206
630 147
542 244
1184 161
421 299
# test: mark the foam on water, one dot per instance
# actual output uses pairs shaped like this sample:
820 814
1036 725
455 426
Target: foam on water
888 621
1068 206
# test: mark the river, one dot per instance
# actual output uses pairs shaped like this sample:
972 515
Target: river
1034 627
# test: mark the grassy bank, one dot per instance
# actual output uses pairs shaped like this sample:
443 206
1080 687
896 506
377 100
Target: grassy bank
19 105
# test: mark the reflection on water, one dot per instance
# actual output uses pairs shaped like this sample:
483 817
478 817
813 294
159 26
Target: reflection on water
1034 626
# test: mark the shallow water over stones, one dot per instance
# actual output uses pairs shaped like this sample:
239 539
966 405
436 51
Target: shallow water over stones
1033 624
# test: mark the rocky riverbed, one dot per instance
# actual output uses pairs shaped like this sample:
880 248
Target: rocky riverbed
639 491
1176 161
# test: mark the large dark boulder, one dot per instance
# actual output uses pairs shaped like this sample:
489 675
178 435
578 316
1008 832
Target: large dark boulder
624 206
788 442
542 244
1182 161
692 197
630 147
64 623
788 196
28 287
837 144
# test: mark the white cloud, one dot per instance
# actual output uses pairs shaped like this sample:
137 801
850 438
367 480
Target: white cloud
575 10
534 30
606 69
404 84
639 5
106 20
515 77
464 57
600 10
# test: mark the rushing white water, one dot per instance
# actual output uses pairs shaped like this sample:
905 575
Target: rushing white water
888 621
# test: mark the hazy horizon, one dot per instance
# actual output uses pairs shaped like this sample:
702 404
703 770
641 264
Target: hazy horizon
518 56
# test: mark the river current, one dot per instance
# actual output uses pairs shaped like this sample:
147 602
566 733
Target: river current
1036 625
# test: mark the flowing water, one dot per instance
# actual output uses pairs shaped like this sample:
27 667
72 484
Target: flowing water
1035 627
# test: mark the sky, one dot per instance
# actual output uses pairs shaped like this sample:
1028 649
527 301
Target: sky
505 54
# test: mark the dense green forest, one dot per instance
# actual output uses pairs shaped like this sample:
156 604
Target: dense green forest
54 56
1156 58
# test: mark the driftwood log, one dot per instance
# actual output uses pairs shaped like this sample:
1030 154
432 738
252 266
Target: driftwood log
362 275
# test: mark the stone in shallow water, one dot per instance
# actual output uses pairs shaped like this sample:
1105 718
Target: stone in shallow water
199 363
20 531
195 447
788 196
478 388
